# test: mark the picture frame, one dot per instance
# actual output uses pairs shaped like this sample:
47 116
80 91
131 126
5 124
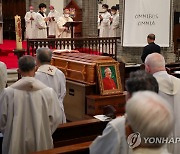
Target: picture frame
109 78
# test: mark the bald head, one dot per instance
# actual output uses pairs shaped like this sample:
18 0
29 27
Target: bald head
154 63
43 56
151 116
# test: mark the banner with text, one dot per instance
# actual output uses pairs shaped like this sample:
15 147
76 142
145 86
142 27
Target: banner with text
143 17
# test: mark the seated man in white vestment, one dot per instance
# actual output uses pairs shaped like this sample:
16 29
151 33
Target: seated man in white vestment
41 22
52 23
169 88
30 23
29 113
113 139
3 76
62 31
149 121
50 75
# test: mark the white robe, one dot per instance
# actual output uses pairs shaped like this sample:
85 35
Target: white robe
29 114
53 24
3 76
169 88
41 26
104 25
114 26
54 78
151 151
30 25
60 32
113 139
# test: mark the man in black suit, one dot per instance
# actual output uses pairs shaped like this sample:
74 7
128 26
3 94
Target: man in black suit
150 48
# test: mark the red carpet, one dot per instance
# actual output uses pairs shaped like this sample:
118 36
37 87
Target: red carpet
6 53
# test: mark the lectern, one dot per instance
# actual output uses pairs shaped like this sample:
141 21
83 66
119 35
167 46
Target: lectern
72 24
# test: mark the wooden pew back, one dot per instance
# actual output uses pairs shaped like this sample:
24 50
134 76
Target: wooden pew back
75 137
78 132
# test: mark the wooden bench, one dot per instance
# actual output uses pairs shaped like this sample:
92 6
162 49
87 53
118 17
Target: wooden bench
173 68
78 132
81 148
75 137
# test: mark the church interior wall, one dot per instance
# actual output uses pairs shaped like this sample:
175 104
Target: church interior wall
133 54
58 5
36 3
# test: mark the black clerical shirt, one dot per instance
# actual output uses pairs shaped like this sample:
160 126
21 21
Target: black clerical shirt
150 48
41 13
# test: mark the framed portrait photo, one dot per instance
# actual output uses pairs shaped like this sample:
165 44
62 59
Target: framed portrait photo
109 78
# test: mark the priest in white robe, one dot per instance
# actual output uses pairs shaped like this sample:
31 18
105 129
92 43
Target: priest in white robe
169 88
50 75
52 23
149 121
41 22
63 31
3 76
113 140
29 113
30 23
104 21
114 23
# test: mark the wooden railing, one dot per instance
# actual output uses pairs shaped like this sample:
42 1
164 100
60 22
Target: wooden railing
96 45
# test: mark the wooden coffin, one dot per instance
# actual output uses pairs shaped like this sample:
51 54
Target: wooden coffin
79 67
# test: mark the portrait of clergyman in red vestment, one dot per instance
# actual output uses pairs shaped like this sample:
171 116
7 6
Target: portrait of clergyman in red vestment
109 78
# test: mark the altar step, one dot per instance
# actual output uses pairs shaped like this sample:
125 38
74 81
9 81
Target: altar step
12 76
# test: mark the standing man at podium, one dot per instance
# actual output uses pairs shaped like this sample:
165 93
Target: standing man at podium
64 31
30 23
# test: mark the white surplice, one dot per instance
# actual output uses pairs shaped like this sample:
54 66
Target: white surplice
53 24
3 76
151 151
114 26
104 25
41 26
60 31
29 114
113 139
169 89
30 24
54 78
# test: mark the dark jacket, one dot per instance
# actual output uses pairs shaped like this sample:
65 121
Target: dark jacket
148 49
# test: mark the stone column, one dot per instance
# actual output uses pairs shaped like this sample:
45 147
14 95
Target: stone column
36 3
90 12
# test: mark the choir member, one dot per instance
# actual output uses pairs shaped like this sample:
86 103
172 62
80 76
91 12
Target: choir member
30 23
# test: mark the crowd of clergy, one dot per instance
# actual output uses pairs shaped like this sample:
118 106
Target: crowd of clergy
40 25
32 108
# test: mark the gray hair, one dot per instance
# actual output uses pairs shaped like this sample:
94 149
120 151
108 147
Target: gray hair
150 115
26 63
155 61
44 55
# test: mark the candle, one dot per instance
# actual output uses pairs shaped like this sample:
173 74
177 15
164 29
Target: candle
18 32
